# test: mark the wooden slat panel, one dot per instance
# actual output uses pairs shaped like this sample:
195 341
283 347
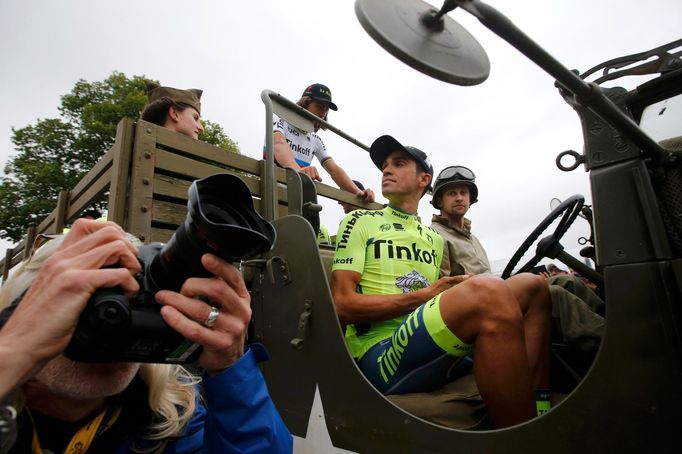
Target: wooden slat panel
7 265
47 223
29 239
16 260
90 178
87 198
60 216
161 235
93 184
280 173
120 171
204 150
187 146
17 254
281 177
169 213
177 187
281 209
171 187
175 213
138 221
343 196
190 169
92 193
183 156
187 167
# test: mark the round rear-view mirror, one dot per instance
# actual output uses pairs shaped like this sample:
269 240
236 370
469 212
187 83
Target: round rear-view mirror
440 47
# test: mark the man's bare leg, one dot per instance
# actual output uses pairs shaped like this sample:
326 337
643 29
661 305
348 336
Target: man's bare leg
484 312
532 293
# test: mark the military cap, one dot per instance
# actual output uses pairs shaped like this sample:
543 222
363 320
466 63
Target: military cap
190 97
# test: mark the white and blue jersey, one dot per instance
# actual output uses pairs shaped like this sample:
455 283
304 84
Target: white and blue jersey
304 145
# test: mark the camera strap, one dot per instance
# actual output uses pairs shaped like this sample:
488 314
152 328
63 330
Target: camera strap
85 436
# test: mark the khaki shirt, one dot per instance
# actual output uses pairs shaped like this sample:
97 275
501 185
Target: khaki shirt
462 253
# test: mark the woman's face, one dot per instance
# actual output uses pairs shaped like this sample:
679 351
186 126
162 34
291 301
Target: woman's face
184 121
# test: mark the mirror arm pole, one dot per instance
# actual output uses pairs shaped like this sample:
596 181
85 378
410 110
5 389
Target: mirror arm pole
585 93
448 5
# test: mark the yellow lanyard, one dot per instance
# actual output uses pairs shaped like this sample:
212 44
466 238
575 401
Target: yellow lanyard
83 439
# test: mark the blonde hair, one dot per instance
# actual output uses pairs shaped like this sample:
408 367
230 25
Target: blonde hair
172 393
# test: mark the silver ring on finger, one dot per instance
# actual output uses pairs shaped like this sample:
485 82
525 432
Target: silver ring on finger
212 317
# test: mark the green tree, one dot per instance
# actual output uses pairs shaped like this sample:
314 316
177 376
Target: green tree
54 153
214 134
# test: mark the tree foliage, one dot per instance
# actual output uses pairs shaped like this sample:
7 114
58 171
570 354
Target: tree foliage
215 134
54 153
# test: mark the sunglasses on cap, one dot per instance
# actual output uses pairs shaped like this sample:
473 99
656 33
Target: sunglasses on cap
460 172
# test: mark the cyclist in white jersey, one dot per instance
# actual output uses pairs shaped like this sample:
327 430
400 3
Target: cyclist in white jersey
296 148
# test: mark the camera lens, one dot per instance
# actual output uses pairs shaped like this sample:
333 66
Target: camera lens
221 220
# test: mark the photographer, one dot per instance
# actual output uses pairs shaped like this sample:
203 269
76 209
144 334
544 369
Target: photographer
68 406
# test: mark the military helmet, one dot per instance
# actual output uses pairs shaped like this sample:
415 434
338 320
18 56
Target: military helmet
456 175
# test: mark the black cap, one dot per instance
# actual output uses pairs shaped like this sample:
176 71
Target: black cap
321 93
386 145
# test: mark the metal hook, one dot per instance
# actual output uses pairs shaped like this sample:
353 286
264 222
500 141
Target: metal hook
579 159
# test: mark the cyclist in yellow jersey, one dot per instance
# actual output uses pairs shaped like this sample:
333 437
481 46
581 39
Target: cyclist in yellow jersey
406 328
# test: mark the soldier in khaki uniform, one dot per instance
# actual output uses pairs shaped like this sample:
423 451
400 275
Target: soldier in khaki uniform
573 305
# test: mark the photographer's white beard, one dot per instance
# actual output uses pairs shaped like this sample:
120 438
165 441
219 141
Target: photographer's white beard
76 380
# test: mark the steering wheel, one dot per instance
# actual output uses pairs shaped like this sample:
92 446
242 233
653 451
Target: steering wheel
569 208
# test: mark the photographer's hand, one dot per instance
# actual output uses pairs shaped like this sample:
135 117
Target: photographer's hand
43 323
223 342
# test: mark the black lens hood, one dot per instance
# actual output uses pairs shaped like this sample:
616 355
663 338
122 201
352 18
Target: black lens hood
220 208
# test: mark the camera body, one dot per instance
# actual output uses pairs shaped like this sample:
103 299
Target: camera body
114 327
220 220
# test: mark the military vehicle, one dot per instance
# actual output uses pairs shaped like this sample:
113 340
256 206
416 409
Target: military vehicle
627 400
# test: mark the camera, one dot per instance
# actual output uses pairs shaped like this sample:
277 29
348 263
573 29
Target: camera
221 220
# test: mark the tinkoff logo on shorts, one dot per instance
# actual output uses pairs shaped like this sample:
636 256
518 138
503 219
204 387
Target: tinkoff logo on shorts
411 281
390 359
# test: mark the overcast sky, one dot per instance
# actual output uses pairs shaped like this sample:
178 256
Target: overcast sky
508 129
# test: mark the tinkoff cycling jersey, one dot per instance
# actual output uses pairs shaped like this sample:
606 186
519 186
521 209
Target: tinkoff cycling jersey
304 145
395 254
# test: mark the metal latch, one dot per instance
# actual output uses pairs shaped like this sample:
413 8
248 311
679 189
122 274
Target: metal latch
297 342
283 267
